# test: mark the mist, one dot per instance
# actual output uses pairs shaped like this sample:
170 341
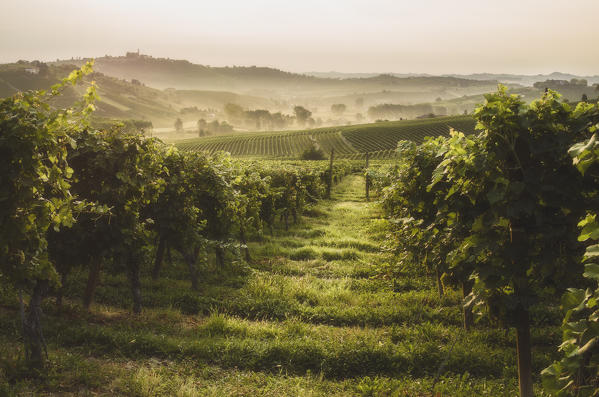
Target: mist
429 36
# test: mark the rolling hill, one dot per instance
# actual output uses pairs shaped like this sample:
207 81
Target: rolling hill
351 142
119 99
263 81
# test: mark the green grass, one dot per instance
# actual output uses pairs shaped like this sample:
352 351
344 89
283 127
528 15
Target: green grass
352 142
309 316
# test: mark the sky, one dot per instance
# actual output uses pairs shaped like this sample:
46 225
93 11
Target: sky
413 36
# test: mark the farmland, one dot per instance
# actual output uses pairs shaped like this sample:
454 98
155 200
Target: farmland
311 315
349 142
229 223
150 270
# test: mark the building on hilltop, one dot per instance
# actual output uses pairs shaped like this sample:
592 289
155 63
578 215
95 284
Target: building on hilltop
132 54
136 54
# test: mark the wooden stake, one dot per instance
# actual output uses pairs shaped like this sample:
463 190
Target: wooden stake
367 178
330 184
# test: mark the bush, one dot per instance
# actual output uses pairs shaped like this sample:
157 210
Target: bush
313 153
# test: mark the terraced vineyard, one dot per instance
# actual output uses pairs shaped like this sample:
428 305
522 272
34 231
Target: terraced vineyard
352 142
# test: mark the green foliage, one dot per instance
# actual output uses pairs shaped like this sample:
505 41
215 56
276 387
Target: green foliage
499 209
259 119
456 206
79 197
188 304
35 180
279 327
411 205
577 373
313 153
35 195
531 197
127 125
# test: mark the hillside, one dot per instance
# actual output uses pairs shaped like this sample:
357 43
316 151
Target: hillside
120 99
505 78
524 79
351 142
182 74
124 86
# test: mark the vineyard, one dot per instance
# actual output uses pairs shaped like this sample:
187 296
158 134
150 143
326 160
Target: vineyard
349 142
497 217
463 267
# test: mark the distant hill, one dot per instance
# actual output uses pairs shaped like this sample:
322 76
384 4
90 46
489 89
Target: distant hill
346 75
119 99
520 79
525 80
262 81
161 90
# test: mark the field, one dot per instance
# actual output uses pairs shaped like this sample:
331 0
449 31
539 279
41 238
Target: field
350 142
310 316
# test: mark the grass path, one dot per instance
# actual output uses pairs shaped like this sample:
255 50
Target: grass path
310 316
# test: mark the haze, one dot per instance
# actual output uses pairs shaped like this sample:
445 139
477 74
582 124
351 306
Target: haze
425 36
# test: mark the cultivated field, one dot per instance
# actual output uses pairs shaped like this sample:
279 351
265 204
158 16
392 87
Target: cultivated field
351 142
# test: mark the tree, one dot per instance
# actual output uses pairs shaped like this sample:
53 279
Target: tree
584 98
338 109
258 119
301 114
202 127
233 112
178 125
225 127
359 102
579 82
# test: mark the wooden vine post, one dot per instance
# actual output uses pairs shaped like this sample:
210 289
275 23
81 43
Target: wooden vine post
367 178
330 176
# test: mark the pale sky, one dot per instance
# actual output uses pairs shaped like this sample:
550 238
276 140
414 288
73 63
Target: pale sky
420 36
